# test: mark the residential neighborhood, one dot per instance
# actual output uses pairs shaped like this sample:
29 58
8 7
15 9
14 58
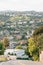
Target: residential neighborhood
16 28
21 32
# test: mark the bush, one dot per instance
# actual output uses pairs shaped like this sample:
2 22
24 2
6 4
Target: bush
35 57
33 49
19 47
1 48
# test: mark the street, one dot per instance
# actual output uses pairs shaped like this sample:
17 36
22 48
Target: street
21 62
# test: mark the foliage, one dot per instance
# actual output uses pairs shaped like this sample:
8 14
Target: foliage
39 41
38 37
19 47
5 41
27 51
33 49
35 57
1 48
38 31
35 43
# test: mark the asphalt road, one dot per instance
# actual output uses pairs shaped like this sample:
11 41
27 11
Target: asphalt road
21 62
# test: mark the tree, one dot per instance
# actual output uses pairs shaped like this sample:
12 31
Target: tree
38 31
19 47
5 41
35 43
38 37
1 48
39 42
27 51
33 49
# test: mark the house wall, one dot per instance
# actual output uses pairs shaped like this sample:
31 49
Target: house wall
41 56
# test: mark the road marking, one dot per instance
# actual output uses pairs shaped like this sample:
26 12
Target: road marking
20 62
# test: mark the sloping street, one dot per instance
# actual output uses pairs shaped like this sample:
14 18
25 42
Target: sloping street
21 62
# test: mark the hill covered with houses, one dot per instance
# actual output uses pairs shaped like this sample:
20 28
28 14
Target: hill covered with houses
19 26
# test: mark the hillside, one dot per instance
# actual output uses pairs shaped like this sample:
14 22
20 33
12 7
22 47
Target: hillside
19 26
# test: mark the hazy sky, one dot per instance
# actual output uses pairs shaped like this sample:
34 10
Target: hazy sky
21 5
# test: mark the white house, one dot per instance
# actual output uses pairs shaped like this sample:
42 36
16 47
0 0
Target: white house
18 52
20 23
31 22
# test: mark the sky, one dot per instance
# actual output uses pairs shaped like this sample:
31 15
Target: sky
21 5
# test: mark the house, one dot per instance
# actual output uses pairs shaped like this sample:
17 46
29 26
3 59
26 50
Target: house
31 22
17 52
16 32
6 32
12 44
23 56
20 23
10 37
18 36
24 22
